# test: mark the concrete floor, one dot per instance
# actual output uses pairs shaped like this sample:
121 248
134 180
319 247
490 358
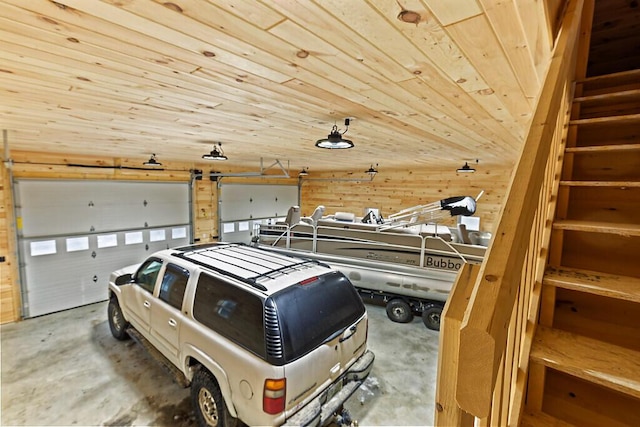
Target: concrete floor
67 369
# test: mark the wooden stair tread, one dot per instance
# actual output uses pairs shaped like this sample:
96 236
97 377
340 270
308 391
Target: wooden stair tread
628 74
608 365
607 120
612 96
625 80
597 283
615 184
598 148
540 419
627 230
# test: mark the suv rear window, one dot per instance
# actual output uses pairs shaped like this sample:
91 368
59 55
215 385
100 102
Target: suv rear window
230 311
309 313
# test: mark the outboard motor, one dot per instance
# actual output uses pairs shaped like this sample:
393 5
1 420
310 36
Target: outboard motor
459 205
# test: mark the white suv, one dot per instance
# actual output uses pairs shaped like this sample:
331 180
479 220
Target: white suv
259 336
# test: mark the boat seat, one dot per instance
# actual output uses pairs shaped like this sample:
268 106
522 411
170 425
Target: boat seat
345 216
315 216
293 216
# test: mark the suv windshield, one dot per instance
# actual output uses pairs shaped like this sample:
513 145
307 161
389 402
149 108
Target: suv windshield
313 310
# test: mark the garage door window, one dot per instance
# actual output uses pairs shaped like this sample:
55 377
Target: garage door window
44 247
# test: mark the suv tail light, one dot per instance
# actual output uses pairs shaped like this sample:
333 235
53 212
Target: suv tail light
274 395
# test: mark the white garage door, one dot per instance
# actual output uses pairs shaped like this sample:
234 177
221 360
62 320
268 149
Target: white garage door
73 234
243 207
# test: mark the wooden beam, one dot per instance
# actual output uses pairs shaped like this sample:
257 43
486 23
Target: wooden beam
448 413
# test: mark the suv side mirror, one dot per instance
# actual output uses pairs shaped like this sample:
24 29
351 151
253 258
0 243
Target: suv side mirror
124 279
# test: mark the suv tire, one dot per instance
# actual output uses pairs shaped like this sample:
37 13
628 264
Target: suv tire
206 398
117 324
398 310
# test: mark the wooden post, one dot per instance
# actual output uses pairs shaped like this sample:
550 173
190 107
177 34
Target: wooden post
447 412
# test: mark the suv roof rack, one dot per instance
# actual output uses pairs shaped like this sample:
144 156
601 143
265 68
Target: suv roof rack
243 262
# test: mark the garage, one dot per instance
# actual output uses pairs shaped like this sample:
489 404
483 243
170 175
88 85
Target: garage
352 134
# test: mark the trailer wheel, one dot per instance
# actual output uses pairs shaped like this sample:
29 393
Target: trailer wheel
431 316
398 310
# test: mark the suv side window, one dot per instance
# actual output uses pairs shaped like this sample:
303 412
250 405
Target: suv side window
148 273
173 286
230 311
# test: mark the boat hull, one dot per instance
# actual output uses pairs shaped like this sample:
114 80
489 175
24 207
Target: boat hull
411 265
386 278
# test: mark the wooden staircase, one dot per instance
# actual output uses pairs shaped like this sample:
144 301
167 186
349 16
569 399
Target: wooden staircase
585 356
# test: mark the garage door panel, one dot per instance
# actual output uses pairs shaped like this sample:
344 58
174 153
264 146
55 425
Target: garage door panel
261 201
69 248
241 206
89 206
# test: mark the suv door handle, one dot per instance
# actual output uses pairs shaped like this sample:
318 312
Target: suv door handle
353 330
172 323
147 304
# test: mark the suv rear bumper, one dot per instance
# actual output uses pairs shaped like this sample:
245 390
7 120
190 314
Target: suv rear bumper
320 410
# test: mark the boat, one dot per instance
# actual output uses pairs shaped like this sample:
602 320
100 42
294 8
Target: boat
407 256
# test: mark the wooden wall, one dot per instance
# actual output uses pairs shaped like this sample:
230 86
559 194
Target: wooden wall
9 281
390 191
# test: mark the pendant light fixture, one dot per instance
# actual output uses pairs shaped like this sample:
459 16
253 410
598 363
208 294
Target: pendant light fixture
304 172
215 154
334 140
372 171
152 162
466 168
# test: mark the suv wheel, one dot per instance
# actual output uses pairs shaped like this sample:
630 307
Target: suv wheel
431 316
207 401
398 310
117 324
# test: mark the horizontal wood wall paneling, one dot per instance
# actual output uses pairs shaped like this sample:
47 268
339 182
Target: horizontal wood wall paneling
391 191
9 277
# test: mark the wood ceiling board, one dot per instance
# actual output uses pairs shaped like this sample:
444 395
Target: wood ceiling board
74 37
481 46
416 99
509 31
252 11
174 81
97 33
536 30
261 64
317 20
431 39
452 11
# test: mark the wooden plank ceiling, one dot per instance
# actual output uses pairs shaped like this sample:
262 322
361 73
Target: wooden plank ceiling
127 78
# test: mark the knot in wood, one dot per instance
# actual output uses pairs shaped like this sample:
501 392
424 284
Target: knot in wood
491 278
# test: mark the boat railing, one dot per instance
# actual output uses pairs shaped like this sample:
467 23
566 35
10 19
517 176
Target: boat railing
316 232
